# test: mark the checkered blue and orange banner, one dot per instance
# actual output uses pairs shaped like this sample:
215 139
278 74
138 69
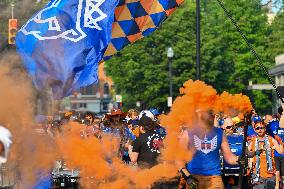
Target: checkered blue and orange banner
135 19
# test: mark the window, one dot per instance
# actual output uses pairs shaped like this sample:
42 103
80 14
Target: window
106 89
90 90
105 106
83 105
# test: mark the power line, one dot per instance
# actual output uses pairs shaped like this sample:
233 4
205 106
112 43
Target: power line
252 50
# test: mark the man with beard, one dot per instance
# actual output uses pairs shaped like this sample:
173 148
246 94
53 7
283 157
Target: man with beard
263 146
205 141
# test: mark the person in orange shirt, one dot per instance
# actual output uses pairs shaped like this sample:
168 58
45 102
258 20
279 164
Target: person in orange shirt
262 147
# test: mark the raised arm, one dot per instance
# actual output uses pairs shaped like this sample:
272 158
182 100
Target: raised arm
183 137
183 140
216 118
134 151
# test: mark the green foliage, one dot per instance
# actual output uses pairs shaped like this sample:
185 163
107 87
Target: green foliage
276 38
140 71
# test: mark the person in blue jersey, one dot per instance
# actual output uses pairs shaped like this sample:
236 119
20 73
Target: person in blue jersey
276 130
271 123
206 141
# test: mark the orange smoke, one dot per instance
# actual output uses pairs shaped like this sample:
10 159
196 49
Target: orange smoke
99 165
90 155
31 152
196 95
97 159
232 104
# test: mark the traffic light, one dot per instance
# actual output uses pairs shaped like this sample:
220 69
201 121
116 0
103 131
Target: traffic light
13 28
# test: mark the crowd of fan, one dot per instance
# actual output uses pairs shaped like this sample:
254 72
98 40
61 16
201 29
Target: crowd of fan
265 165
141 138
265 136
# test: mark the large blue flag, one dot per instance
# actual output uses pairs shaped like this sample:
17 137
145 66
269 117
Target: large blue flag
62 44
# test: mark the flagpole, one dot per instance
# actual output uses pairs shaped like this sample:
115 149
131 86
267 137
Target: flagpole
198 39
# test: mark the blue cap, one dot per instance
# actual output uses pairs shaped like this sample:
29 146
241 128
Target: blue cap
135 122
221 122
154 111
256 119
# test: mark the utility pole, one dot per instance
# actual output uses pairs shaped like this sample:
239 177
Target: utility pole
198 40
170 55
12 7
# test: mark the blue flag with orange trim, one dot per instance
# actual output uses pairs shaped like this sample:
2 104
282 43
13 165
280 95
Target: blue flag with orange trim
63 43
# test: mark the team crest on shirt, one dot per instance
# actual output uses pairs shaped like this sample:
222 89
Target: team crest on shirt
205 145
280 132
155 142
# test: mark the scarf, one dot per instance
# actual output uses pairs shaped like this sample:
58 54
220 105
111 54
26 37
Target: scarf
268 153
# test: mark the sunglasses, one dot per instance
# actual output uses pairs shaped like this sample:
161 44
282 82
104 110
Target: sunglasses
259 128
229 126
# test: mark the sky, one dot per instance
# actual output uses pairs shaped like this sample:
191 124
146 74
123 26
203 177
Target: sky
276 6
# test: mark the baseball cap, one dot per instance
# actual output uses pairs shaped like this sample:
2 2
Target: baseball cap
256 119
146 123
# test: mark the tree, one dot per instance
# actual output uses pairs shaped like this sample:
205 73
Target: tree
140 70
230 58
276 39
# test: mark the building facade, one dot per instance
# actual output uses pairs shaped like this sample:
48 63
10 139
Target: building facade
278 70
96 97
